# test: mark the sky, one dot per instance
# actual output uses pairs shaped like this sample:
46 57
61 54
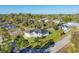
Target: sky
39 9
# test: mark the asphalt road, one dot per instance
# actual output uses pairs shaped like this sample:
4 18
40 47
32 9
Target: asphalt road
59 45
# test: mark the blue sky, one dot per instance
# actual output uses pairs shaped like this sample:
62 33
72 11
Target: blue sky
40 9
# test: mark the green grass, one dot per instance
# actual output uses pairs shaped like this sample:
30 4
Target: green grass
55 35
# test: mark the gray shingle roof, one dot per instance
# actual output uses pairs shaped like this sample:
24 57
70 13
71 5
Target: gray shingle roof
42 31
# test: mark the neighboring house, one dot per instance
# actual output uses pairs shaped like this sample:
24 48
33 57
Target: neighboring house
57 21
36 33
64 28
15 32
8 26
32 21
44 20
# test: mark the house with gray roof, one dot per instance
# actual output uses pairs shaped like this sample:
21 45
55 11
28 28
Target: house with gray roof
36 33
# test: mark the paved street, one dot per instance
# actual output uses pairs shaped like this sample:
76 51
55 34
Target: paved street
60 44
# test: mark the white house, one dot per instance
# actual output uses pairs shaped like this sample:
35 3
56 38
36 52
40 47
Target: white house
57 21
36 33
64 27
44 20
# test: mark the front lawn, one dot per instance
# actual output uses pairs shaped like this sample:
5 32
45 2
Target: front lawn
55 35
